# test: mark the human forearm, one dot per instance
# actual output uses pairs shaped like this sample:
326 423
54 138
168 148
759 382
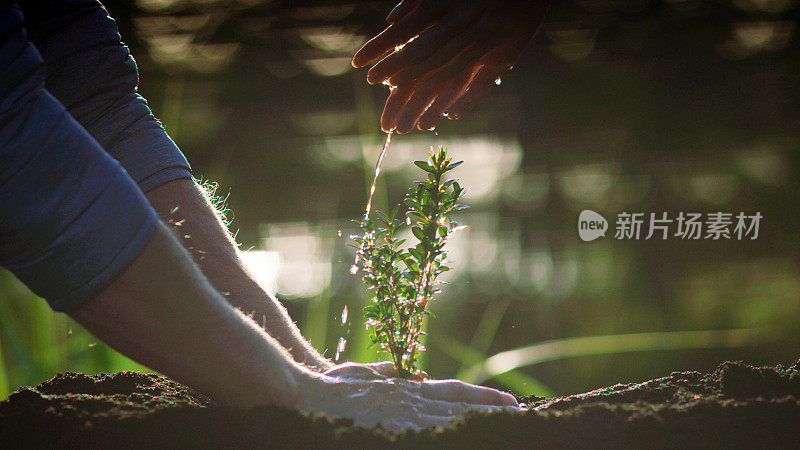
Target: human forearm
163 313
207 239
206 344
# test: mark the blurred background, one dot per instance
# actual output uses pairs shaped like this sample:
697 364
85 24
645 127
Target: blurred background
619 105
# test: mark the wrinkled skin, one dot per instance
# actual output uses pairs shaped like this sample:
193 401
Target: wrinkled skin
360 392
458 51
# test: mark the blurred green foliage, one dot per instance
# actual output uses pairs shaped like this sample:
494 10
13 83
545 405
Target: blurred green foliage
37 343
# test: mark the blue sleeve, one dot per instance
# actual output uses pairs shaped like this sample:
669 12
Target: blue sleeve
95 77
71 219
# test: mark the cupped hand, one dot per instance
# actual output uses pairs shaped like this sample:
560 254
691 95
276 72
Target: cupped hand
453 43
445 94
397 404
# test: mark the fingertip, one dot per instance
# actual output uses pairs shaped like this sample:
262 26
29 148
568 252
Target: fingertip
510 399
406 122
404 125
374 77
360 59
388 123
404 130
429 123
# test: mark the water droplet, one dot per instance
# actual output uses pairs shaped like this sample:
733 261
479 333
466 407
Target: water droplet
339 233
344 315
353 269
408 220
340 348
498 81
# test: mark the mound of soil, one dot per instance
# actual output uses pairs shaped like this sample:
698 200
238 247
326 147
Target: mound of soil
735 406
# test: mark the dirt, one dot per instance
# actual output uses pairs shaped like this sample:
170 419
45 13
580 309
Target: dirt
736 406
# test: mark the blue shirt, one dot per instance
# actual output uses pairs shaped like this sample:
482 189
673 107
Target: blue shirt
75 139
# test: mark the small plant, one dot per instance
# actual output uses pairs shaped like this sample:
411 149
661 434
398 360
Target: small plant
403 280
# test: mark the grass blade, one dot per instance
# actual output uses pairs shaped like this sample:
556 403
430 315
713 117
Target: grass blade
518 382
503 362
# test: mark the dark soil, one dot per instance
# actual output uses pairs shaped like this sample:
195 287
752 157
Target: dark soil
736 406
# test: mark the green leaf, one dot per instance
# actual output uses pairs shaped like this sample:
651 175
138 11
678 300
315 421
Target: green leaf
424 166
454 165
382 217
419 217
425 198
418 233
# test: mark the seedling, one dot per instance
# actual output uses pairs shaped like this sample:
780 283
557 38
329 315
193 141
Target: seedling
403 280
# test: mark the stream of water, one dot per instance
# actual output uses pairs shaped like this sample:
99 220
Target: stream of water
377 172
368 209
354 268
